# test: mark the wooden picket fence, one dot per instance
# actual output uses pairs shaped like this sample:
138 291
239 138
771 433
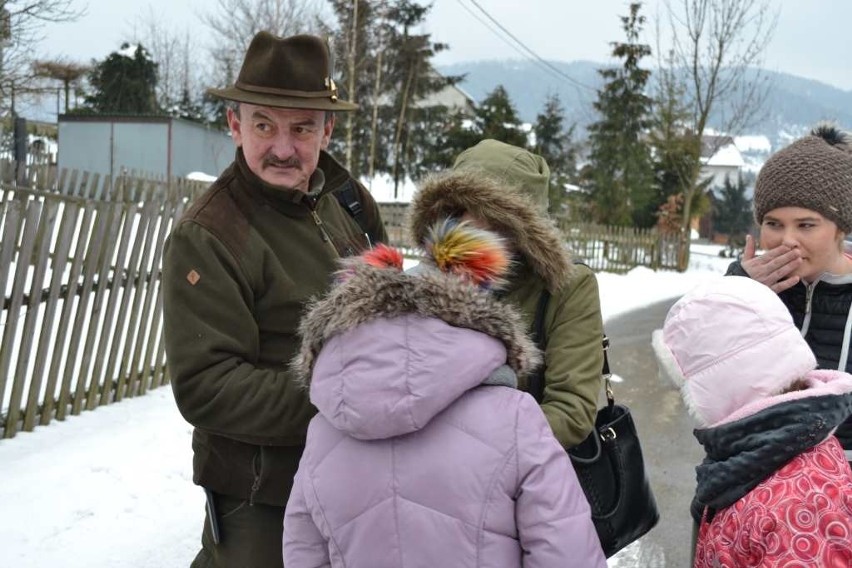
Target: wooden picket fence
80 271
602 247
395 217
621 249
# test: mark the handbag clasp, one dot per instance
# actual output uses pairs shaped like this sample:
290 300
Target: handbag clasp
608 435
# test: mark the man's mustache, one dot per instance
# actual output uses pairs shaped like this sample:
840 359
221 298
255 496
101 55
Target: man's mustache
272 161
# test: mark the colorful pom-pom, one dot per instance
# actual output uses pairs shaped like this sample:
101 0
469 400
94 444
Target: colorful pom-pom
383 256
476 255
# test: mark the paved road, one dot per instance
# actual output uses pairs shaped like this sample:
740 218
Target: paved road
665 430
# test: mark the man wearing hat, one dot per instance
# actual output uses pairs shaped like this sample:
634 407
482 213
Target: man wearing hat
238 269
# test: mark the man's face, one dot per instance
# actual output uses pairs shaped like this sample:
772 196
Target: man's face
281 145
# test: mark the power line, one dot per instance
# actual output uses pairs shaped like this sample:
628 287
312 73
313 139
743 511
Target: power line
532 54
487 25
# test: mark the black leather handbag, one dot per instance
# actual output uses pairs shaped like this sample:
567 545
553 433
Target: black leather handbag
608 462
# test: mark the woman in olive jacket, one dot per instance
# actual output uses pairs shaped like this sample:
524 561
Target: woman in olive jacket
505 189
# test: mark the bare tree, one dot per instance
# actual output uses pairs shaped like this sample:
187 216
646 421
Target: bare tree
717 52
179 70
66 72
235 22
21 29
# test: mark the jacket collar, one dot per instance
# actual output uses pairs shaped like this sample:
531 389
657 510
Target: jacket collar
329 176
741 454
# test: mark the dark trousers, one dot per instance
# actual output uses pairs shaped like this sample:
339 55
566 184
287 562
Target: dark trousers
250 536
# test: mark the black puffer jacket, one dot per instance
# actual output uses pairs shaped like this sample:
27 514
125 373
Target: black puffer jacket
821 310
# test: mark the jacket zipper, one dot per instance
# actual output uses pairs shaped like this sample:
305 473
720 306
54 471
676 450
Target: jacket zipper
257 469
809 295
323 233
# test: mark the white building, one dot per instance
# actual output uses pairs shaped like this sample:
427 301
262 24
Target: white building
720 157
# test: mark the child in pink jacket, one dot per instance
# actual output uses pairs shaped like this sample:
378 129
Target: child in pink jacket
423 453
775 488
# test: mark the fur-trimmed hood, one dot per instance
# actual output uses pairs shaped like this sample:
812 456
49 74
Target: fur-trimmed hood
370 293
506 209
386 350
731 346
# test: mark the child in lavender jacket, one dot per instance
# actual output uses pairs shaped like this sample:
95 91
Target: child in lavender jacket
423 454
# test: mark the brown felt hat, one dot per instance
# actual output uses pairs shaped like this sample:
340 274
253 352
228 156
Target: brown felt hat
287 72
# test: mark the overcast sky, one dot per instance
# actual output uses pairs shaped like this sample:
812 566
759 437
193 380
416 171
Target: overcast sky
812 38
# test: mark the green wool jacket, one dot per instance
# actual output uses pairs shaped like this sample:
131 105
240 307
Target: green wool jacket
572 324
238 269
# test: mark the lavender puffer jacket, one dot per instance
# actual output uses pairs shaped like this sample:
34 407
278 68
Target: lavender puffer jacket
413 462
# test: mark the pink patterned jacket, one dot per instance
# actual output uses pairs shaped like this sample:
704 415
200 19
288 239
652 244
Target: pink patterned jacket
800 516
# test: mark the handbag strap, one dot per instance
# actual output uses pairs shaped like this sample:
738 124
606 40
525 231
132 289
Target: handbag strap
535 385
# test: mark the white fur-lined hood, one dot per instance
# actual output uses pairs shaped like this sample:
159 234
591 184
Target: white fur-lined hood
729 343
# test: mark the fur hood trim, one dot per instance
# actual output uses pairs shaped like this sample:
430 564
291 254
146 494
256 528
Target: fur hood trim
369 293
730 343
507 211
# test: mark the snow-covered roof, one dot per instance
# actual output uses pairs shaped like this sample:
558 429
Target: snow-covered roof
753 143
728 156
720 151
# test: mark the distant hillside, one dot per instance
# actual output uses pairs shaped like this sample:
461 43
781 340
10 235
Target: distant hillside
793 106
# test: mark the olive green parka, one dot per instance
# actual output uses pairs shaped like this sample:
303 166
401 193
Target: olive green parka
238 269
506 187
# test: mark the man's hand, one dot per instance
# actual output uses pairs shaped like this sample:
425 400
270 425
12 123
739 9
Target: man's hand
773 268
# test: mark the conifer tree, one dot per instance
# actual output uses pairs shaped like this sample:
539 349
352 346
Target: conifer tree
387 66
620 177
357 31
733 212
554 143
455 135
124 82
497 118
675 146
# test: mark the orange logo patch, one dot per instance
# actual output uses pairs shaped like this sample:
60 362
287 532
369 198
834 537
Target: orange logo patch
193 277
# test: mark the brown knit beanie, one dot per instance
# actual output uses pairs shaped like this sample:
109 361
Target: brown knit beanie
814 172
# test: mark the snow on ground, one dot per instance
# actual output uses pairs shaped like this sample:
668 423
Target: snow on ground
201 176
113 487
381 188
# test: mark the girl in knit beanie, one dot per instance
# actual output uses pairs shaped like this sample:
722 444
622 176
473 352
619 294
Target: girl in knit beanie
774 488
803 204
424 453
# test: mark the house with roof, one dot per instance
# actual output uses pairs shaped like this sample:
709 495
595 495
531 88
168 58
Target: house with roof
720 157
453 97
